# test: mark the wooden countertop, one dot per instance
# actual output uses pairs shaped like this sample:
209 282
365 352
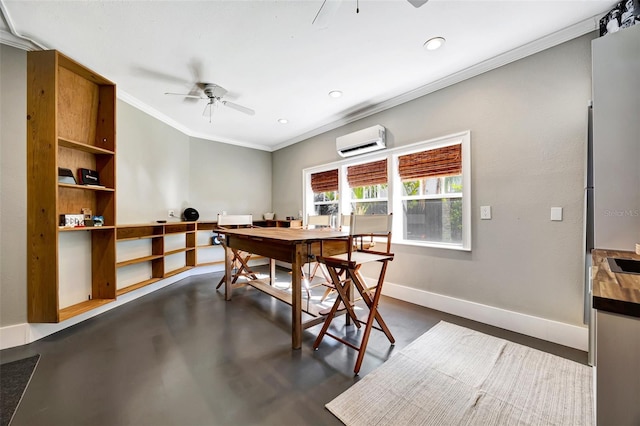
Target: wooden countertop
612 292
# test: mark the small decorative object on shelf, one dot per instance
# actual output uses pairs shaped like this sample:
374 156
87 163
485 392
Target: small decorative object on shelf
66 176
89 177
71 220
98 221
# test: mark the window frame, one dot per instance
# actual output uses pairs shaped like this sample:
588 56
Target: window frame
394 186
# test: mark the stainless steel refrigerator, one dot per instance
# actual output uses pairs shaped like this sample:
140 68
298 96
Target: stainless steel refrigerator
612 184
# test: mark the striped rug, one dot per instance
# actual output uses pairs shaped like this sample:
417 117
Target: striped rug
455 376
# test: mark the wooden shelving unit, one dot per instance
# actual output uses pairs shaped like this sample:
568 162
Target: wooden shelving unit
70 124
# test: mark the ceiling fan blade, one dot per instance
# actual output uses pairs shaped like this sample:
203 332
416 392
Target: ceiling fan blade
325 13
238 107
417 3
186 95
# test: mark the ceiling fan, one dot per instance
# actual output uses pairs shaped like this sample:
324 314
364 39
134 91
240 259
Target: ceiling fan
329 8
214 95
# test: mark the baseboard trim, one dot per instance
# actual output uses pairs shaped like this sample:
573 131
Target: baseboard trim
14 335
553 331
22 334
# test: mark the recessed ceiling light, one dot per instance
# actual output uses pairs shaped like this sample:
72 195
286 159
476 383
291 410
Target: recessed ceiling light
335 93
283 121
434 43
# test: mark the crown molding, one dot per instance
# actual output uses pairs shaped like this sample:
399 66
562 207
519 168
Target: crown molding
546 42
136 103
19 43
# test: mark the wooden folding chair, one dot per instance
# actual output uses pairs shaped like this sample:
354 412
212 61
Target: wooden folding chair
345 275
240 262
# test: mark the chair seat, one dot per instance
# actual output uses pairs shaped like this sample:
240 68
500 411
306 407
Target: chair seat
359 257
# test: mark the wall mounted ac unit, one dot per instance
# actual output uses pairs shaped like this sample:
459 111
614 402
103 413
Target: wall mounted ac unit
362 141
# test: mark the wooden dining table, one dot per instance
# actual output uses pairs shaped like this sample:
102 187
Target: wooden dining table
291 245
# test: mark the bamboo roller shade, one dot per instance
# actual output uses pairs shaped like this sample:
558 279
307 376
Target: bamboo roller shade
446 161
367 174
325 181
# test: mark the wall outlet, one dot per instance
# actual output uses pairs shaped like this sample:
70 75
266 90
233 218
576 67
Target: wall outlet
172 213
485 212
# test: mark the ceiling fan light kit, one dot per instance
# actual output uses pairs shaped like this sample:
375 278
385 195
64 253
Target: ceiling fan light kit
214 95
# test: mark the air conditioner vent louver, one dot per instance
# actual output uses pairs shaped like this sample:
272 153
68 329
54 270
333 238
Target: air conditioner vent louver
360 142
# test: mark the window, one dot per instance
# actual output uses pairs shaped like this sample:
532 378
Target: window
324 186
368 187
432 195
427 186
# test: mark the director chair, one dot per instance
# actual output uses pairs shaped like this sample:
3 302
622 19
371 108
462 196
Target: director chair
345 274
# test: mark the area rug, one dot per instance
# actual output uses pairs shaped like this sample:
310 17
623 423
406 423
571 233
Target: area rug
455 376
14 378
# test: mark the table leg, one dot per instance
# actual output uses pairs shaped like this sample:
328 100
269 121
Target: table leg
272 271
296 299
228 266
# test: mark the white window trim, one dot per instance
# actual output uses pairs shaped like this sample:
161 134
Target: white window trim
394 195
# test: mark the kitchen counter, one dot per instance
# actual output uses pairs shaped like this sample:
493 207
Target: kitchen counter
613 292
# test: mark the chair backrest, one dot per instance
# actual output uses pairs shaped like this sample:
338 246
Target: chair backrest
345 221
370 225
319 221
235 220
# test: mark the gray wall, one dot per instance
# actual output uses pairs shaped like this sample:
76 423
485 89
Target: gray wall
229 178
13 186
528 123
159 168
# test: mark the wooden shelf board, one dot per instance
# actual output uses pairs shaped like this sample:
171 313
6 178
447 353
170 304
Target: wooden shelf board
138 260
83 147
136 286
85 187
81 308
216 262
208 245
176 271
84 228
144 237
181 250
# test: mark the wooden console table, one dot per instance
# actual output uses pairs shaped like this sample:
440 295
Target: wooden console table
295 246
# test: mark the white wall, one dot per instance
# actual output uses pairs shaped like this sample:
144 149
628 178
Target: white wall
528 123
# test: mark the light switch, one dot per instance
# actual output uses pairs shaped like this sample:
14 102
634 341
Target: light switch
556 213
485 212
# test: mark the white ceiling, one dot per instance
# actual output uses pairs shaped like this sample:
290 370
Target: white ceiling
270 57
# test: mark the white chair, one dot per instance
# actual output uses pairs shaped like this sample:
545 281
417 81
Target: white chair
316 222
344 271
240 262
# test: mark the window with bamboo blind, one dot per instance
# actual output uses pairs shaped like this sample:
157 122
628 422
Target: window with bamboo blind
369 189
426 185
324 189
325 181
439 162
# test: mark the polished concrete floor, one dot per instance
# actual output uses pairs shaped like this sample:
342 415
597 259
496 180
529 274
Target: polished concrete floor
184 356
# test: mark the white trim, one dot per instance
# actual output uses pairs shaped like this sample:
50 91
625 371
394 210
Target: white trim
14 335
546 42
136 103
553 331
24 333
